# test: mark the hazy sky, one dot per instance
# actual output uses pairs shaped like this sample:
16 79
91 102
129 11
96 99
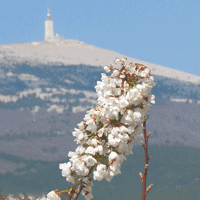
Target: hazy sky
163 32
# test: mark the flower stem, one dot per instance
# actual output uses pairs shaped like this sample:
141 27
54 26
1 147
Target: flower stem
80 187
144 191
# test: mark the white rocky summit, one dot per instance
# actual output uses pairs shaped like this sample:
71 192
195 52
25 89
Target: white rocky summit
56 50
74 52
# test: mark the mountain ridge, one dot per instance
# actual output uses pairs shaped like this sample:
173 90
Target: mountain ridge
74 52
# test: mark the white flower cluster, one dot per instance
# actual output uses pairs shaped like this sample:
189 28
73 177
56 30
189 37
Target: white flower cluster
109 130
52 196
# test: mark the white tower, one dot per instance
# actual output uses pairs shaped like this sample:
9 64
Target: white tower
49 35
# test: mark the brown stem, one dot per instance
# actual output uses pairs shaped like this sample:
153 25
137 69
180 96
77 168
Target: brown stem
80 187
146 162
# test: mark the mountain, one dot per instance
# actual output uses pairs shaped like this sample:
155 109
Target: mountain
46 89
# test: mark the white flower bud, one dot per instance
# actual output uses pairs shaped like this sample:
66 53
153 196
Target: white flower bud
106 69
53 196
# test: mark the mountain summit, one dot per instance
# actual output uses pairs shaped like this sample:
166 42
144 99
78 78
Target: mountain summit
74 52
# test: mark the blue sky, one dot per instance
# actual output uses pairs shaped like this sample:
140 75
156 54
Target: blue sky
163 32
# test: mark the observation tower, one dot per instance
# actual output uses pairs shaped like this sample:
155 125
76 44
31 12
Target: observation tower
49 34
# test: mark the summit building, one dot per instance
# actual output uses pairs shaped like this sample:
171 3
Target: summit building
49 32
